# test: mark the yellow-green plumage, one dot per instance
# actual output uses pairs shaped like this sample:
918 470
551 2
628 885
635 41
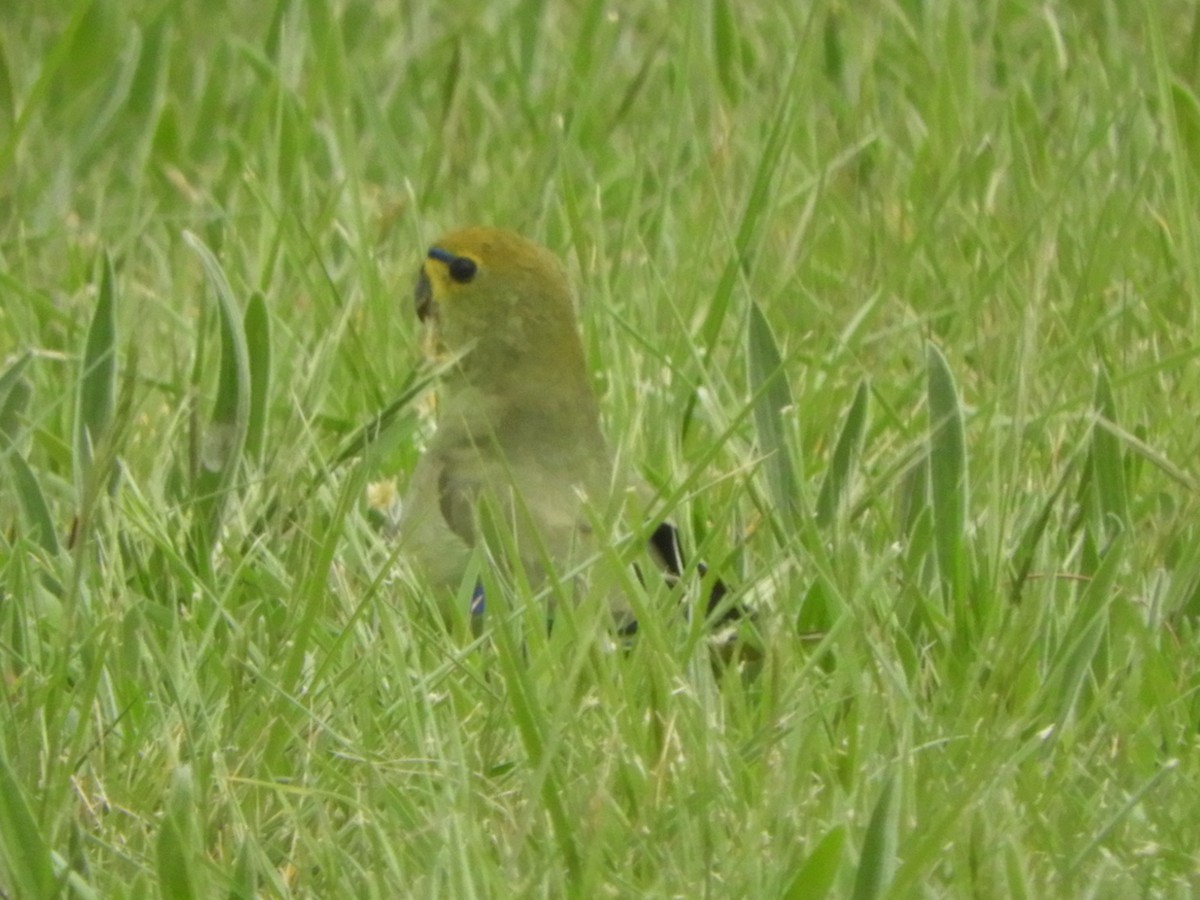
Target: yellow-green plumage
518 424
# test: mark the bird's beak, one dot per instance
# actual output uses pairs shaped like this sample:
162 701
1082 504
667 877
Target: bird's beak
423 297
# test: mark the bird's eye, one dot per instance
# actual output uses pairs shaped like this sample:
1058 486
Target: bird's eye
462 269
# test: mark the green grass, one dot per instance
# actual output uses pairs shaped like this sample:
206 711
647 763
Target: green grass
896 304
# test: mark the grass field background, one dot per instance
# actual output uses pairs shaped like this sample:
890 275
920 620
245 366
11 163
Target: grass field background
895 303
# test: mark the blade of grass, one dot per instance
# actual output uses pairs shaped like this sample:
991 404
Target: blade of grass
521 694
1186 244
257 328
33 502
877 864
816 875
1107 460
947 477
14 400
177 838
26 854
224 441
91 141
835 487
54 60
772 402
754 213
726 49
1023 556
1156 458
97 385
8 101
1074 657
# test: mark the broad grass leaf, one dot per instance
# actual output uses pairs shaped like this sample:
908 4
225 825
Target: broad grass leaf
877 863
97 384
816 875
948 489
773 404
223 440
835 488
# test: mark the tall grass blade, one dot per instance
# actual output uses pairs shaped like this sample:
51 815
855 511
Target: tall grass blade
97 385
1108 462
773 404
176 840
1026 551
26 855
835 488
53 61
753 215
877 864
224 441
257 328
33 502
1075 656
948 487
816 876
14 400
529 724
1170 93
8 101
726 49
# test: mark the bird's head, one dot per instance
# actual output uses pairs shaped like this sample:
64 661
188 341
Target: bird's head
497 296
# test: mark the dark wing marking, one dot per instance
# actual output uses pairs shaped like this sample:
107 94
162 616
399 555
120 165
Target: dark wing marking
665 544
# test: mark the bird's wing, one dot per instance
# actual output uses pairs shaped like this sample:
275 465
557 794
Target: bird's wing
436 529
